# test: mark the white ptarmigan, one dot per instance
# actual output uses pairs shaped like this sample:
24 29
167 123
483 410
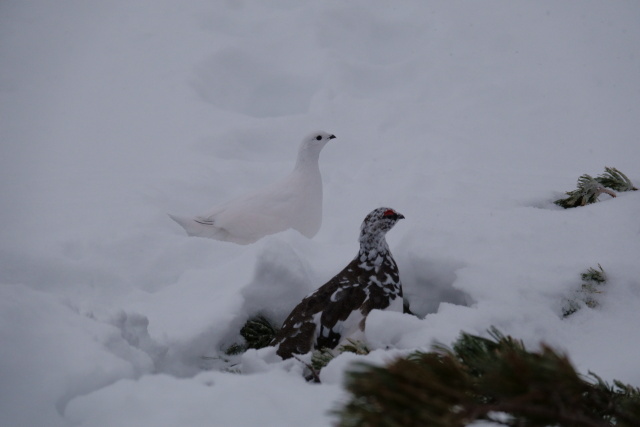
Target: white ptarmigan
293 202
338 309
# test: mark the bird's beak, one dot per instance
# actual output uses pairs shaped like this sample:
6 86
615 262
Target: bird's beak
332 137
393 215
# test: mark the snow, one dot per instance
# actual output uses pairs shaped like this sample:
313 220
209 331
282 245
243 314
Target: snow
470 118
238 400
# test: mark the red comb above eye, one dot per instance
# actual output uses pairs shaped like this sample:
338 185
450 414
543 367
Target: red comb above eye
389 212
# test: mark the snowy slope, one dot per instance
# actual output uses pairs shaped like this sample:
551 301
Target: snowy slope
470 118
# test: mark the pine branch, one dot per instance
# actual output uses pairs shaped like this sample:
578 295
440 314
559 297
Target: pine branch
587 294
616 180
321 357
258 332
314 373
235 349
593 275
588 191
479 378
590 188
354 346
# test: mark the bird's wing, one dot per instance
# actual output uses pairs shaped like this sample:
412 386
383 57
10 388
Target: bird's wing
257 214
342 313
297 333
301 327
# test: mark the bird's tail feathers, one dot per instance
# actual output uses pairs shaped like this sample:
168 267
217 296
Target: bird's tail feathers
192 226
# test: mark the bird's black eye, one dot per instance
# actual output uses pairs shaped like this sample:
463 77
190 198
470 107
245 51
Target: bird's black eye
318 137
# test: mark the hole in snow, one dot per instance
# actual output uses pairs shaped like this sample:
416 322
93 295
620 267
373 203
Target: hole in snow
427 282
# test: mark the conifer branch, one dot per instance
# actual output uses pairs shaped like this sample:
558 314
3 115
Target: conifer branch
616 180
493 379
258 332
590 188
588 191
321 357
314 373
592 284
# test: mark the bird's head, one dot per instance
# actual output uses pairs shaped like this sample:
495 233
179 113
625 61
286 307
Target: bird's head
319 137
376 224
311 146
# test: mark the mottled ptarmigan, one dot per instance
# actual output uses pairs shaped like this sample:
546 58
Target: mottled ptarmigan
293 202
339 308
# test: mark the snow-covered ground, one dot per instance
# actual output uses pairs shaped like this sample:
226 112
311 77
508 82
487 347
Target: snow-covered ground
469 118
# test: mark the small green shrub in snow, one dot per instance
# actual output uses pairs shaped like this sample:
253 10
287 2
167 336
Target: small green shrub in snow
589 188
593 281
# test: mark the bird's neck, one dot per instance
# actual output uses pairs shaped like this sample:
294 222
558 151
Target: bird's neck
307 158
373 248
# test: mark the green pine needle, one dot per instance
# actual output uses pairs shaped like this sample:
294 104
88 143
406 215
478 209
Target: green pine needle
321 358
593 275
354 346
590 188
258 332
616 180
588 293
235 349
492 379
588 191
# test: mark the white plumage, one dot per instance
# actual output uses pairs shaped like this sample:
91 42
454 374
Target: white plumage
293 202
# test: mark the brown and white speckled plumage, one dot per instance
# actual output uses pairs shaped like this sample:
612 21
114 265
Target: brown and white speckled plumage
339 308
